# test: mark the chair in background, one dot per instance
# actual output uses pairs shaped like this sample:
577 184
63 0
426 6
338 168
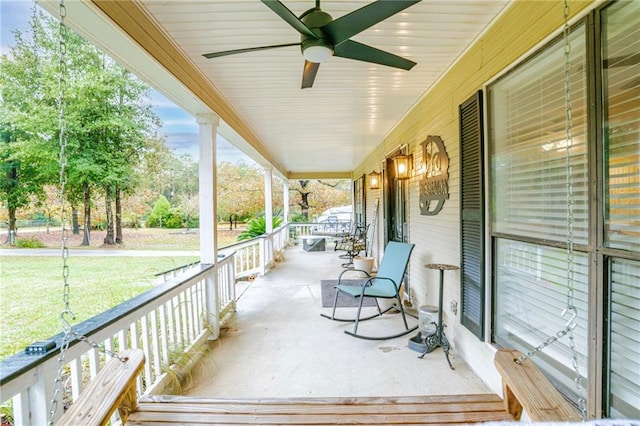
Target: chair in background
353 244
385 285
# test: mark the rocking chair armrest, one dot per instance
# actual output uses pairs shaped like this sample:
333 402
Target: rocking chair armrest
386 278
353 270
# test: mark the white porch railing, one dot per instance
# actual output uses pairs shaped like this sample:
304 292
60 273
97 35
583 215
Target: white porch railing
166 322
256 256
169 323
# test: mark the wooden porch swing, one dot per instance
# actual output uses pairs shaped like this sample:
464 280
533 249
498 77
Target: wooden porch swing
114 388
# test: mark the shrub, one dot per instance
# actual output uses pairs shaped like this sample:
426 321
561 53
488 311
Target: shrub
31 242
258 226
298 218
173 219
159 212
165 216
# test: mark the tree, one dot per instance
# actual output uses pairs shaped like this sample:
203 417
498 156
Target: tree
28 112
315 196
240 191
189 205
303 190
108 122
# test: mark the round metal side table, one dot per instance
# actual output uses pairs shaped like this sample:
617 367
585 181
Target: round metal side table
438 338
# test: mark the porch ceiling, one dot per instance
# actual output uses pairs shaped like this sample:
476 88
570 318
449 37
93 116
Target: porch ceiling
327 129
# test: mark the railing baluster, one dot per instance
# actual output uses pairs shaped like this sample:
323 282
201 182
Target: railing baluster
144 329
193 313
76 377
171 324
21 408
163 333
122 340
155 343
94 362
183 321
135 344
200 305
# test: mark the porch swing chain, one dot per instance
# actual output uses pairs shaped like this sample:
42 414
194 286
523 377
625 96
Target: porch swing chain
570 308
67 315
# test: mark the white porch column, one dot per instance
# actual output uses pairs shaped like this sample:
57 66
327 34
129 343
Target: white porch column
208 128
285 201
268 199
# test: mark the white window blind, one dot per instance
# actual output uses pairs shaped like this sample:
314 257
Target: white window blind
621 71
624 357
532 293
529 146
621 82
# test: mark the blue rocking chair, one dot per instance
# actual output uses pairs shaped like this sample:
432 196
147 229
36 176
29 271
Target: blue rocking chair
385 285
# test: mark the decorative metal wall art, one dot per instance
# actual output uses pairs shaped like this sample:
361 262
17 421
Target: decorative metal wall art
434 186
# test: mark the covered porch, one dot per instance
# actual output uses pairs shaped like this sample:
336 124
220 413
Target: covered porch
515 248
277 345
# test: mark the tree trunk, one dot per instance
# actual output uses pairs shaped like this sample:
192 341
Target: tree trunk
74 221
118 215
109 239
11 236
86 239
304 199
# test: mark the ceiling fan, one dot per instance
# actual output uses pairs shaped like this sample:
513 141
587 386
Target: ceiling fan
322 37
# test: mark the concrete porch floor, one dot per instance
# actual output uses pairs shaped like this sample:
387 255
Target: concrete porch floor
278 345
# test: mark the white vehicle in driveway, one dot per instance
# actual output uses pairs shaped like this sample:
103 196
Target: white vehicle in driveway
334 221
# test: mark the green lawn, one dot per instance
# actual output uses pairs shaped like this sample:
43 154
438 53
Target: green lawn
31 291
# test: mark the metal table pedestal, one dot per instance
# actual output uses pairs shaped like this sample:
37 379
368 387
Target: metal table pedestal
438 338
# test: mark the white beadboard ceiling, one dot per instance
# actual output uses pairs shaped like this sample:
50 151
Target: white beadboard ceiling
352 105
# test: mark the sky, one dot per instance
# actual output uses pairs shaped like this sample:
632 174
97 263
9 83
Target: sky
179 127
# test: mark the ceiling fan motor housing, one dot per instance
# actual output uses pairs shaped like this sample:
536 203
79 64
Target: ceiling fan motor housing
315 19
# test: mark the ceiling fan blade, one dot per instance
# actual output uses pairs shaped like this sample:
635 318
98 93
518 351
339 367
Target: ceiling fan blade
309 73
359 20
248 49
288 16
353 50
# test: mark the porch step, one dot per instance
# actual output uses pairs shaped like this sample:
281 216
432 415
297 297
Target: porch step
167 409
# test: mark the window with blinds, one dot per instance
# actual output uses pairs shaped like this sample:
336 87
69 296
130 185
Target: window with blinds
621 129
528 170
530 156
529 146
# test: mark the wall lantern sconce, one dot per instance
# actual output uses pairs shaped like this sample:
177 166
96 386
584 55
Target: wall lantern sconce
403 166
374 180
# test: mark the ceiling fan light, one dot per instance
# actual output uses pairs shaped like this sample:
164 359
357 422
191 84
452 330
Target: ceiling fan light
317 54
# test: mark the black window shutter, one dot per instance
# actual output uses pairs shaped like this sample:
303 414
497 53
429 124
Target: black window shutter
472 215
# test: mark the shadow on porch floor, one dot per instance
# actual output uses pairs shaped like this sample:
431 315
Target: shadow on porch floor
278 346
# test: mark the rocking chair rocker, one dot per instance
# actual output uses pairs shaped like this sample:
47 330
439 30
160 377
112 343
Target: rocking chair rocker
385 285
